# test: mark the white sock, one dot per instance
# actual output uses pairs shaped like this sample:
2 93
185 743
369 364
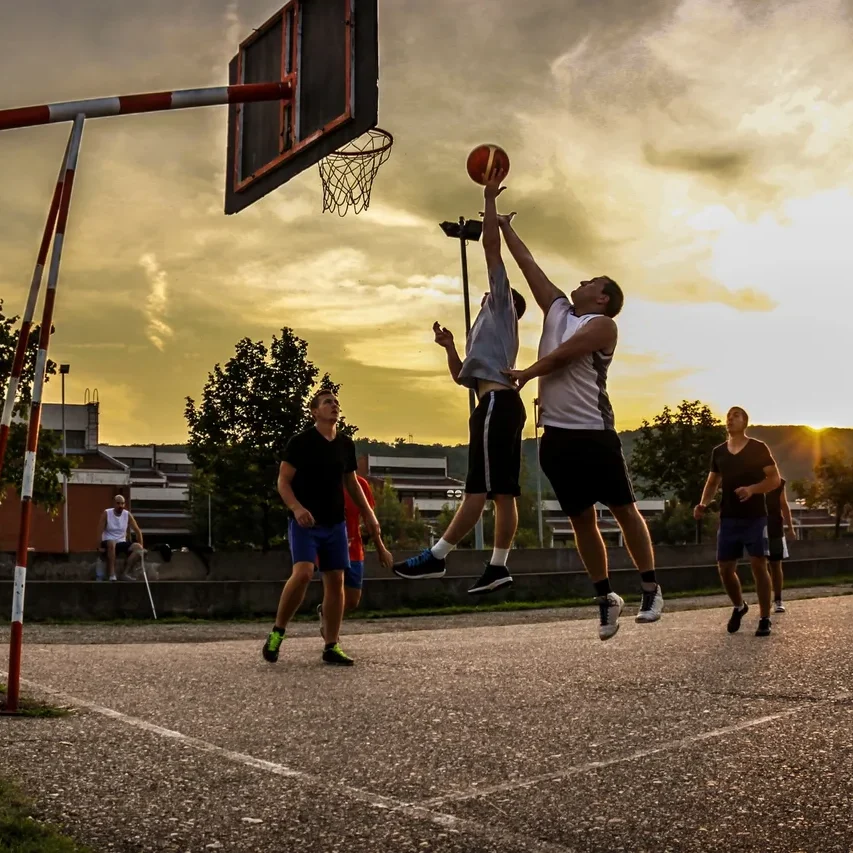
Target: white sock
499 557
441 549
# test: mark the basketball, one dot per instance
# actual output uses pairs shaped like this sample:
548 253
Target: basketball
484 159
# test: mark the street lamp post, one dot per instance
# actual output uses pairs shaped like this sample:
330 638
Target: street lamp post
64 370
538 474
464 230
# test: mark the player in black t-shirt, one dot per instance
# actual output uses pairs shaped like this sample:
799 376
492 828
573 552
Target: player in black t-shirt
778 518
316 463
747 472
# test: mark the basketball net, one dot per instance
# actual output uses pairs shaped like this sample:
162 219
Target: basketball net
348 173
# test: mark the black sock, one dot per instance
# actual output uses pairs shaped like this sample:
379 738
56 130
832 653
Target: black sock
329 646
602 587
648 577
278 630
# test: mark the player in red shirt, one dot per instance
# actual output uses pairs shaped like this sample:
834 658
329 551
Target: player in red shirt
354 576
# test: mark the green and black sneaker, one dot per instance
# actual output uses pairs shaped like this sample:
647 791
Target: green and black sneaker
334 654
272 645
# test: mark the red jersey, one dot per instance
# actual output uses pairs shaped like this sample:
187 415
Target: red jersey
353 517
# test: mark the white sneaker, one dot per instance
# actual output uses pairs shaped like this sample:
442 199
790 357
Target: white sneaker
778 607
610 608
652 606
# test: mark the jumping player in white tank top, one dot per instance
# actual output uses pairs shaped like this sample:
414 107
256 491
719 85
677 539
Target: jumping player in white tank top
581 453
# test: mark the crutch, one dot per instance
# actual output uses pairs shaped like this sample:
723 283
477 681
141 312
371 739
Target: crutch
147 585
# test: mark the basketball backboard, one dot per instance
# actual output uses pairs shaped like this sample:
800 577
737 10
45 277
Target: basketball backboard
329 50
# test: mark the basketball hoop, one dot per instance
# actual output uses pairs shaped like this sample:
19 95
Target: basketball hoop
348 173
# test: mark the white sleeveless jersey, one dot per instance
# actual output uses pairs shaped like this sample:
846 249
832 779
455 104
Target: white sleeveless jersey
574 396
116 526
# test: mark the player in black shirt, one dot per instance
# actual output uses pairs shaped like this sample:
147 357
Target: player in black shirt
316 463
747 472
778 518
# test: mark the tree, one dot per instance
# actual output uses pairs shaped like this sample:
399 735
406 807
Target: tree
401 526
676 525
50 465
831 489
672 456
249 410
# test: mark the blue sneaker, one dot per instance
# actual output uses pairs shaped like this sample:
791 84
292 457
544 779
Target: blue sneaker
425 565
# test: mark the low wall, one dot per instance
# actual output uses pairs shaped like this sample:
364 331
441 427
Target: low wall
75 599
275 565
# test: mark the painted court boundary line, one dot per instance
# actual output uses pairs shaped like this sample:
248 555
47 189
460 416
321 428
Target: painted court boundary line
376 801
425 809
577 769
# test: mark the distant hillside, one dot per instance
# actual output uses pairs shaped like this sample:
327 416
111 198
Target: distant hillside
796 449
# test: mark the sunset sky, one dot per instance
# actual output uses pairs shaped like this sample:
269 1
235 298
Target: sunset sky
699 152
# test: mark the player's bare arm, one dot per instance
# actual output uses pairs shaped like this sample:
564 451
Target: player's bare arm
444 338
543 289
771 481
787 516
286 473
712 486
596 336
135 528
352 486
491 230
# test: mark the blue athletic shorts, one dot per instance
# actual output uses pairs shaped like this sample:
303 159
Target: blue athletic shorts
354 578
325 544
737 535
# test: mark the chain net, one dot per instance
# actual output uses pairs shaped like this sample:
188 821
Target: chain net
348 173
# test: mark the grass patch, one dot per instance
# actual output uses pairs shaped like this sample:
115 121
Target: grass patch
21 833
31 708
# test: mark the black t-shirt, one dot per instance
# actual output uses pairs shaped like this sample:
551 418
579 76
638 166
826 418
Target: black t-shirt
775 526
320 467
741 469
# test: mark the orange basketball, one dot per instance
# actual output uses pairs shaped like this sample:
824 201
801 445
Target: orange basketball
484 159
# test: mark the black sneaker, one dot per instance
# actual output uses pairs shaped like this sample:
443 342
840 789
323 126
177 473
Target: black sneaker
425 565
763 629
337 656
493 578
271 646
737 614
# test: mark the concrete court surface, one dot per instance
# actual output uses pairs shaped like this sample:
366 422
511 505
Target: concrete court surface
464 736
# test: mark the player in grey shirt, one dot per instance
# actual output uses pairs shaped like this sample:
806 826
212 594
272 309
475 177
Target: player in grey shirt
495 427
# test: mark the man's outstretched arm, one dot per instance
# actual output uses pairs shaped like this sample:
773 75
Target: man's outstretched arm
596 336
543 289
444 338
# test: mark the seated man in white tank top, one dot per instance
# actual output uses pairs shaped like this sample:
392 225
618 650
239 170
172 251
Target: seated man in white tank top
581 453
112 536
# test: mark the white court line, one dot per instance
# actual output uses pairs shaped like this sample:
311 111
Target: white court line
576 769
376 801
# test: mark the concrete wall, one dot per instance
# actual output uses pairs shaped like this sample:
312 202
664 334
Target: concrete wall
544 576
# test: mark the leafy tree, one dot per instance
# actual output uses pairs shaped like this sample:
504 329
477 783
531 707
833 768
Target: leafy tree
249 410
50 464
676 525
831 489
401 527
671 457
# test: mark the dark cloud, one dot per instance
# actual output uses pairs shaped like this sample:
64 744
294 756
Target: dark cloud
727 165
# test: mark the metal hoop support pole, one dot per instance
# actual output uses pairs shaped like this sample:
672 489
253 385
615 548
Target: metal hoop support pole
151 102
29 310
16 640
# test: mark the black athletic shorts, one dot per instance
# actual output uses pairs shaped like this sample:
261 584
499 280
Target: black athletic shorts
122 547
585 467
494 444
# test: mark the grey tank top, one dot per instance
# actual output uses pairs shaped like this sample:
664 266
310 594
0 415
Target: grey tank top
492 346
